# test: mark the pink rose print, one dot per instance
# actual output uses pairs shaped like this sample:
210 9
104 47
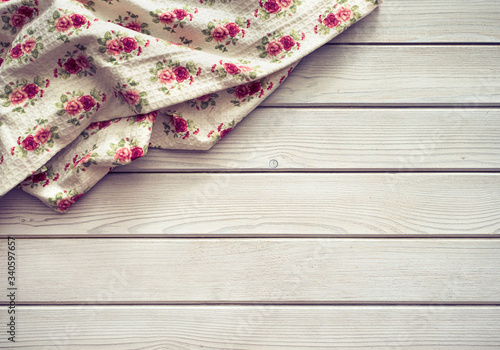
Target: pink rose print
84 159
278 45
26 11
131 97
180 124
181 73
224 132
167 17
43 135
232 28
180 14
241 91
288 42
71 66
221 131
231 68
63 23
140 118
285 3
274 48
84 162
63 204
254 87
77 197
338 18
123 154
28 45
246 92
135 26
152 116
78 105
125 151
173 18
67 23
143 120
204 98
21 93
114 47
331 21
73 107
63 201
237 71
136 152
16 17
226 33
40 177
278 8
78 20
344 14
17 20
121 46
29 143
87 102
219 33
39 139
131 21
75 63
31 90
173 74
166 76
25 48
272 6
83 61
16 52
17 97
129 44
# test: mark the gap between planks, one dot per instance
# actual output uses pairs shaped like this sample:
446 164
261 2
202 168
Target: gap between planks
255 303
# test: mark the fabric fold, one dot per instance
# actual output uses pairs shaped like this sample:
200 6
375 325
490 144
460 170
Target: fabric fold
89 85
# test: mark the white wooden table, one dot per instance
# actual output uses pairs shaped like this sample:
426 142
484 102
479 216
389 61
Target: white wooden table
378 228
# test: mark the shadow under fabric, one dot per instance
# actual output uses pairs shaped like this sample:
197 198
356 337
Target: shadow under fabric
87 85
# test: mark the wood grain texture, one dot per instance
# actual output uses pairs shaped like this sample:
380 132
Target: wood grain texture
422 204
428 21
263 270
353 75
313 139
257 327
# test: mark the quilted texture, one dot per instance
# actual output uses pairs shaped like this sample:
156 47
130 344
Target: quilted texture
88 85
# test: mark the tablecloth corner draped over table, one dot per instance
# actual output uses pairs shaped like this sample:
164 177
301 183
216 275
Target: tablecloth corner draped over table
88 85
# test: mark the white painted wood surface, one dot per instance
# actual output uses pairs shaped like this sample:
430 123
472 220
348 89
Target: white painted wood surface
323 139
406 54
354 75
322 271
258 327
428 21
303 204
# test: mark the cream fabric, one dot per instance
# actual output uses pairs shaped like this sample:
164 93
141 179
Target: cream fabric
88 85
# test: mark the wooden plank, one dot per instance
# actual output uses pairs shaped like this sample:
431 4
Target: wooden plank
345 139
428 21
256 327
309 204
381 75
321 271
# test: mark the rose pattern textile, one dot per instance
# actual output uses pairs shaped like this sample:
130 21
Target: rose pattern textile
88 85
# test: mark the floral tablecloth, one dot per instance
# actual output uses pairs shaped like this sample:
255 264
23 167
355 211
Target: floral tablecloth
88 85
